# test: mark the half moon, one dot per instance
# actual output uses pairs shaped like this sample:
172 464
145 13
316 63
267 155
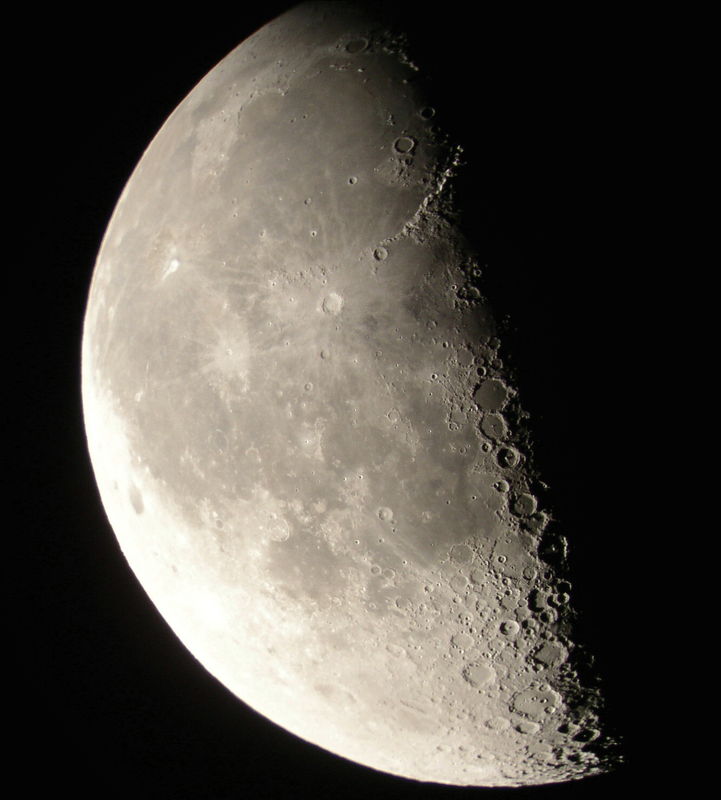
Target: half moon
303 430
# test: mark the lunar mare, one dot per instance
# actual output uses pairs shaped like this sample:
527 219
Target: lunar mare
303 430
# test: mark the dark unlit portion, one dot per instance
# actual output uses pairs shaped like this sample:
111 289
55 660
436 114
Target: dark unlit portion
303 430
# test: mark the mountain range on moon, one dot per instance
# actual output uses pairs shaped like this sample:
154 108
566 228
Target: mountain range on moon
303 423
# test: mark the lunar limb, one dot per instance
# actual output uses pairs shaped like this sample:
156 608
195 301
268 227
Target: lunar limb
303 430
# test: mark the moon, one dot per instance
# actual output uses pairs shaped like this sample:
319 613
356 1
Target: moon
304 430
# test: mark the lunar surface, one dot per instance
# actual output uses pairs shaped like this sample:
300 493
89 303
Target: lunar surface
303 430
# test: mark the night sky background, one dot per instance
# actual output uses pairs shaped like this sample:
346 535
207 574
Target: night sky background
106 702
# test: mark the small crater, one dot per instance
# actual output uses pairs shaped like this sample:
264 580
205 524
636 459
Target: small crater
551 654
526 726
560 599
537 522
532 702
491 395
523 505
380 254
477 576
494 426
553 549
508 457
404 144
332 304
469 293
356 46
478 674
463 641
461 553
136 499
586 735
537 600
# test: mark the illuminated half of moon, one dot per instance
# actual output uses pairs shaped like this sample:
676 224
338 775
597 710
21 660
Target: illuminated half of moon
302 428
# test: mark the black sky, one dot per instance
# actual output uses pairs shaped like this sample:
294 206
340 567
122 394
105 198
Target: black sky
109 703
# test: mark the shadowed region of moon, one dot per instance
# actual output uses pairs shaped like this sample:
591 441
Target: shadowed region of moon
306 437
